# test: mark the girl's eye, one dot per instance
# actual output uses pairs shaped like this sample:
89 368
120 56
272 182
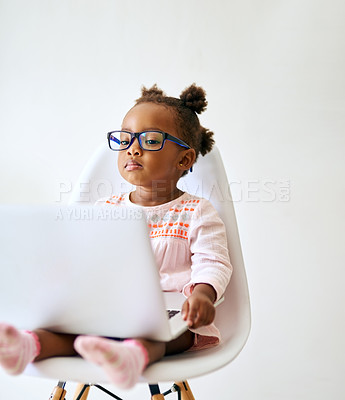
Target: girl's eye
124 142
151 142
152 139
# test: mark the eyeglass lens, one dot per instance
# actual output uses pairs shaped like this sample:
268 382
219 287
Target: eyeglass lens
148 140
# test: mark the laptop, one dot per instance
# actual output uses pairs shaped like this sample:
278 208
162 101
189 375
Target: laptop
83 270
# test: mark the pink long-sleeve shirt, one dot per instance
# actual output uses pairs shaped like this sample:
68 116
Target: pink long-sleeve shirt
190 245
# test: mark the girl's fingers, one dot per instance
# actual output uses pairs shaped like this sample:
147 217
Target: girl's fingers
197 314
189 313
184 310
203 316
192 315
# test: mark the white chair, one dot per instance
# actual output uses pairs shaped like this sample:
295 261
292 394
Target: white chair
208 179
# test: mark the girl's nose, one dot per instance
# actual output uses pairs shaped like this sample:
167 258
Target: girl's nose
134 149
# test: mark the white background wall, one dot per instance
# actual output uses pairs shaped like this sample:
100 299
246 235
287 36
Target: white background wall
274 75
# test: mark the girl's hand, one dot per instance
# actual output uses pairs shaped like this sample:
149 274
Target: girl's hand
198 310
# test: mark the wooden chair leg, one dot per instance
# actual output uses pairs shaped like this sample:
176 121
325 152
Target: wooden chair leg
157 397
79 389
186 393
58 392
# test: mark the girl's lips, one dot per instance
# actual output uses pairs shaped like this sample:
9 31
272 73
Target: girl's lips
132 165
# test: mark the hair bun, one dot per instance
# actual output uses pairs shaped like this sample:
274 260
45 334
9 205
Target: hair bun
194 97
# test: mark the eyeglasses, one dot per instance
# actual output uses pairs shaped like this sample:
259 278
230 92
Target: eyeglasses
148 140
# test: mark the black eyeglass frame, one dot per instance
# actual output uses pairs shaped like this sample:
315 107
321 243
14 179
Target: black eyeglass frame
136 135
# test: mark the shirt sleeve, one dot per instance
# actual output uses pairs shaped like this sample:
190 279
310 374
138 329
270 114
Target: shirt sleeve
210 255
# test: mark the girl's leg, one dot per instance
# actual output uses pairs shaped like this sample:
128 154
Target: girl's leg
55 344
180 344
61 344
124 361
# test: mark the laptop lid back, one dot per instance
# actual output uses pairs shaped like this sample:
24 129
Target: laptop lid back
83 270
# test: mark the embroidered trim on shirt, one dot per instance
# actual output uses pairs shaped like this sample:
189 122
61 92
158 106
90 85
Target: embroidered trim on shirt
171 222
115 200
176 229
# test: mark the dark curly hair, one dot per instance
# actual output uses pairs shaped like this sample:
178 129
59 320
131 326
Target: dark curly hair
192 101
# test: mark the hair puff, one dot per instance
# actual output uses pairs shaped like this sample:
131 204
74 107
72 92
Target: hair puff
153 93
194 97
207 141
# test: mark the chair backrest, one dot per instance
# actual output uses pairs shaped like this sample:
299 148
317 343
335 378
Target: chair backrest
100 178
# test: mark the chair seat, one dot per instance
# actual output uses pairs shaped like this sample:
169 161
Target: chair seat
173 368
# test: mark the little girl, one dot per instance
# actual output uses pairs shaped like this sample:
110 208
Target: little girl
159 141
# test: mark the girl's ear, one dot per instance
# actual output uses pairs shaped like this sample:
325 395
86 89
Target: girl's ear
186 160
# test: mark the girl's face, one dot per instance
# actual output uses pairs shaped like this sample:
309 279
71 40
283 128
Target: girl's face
152 170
